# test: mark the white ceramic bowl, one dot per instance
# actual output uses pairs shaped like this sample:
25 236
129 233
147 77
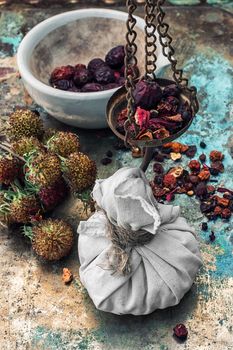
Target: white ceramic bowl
70 38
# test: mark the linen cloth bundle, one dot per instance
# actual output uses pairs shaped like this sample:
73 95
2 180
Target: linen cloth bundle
151 275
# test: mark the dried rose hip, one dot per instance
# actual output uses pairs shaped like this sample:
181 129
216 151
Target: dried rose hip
158 168
201 190
171 90
218 166
180 331
104 75
63 84
204 175
62 73
194 165
216 155
95 64
202 157
81 77
191 151
115 57
147 94
169 180
92 87
217 210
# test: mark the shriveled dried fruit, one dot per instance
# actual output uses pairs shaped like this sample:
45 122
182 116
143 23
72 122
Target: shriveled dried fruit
204 175
194 165
201 190
92 87
63 84
191 151
104 75
82 76
202 157
217 210
115 57
216 155
62 73
147 94
95 64
158 168
194 179
217 166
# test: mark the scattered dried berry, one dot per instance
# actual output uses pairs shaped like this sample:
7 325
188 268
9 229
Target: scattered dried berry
109 154
223 202
201 190
204 226
217 210
194 179
202 144
106 161
210 189
180 331
214 171
191 151
212 237
218 166
216 156
202 157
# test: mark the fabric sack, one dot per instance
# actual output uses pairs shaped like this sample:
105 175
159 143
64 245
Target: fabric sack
159 272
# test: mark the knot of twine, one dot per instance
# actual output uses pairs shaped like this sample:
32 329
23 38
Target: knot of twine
123 240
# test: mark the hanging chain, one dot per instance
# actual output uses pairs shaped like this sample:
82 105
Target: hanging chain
130 61
168 50
150 38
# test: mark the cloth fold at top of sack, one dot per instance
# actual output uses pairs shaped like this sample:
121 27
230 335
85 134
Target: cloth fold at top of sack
162 269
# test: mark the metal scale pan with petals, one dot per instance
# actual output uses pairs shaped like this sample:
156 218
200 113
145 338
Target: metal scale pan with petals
124 98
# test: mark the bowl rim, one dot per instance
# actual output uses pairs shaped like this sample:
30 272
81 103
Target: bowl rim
33 37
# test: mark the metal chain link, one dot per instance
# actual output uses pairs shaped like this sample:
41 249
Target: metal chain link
130 61
150 38
167 48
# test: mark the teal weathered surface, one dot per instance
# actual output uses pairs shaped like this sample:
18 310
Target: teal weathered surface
37 310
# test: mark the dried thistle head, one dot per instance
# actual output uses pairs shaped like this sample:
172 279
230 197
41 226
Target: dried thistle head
64 143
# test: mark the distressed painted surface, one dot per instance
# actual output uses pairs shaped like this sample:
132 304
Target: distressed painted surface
37 310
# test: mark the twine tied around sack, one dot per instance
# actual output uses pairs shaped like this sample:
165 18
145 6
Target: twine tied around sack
123 241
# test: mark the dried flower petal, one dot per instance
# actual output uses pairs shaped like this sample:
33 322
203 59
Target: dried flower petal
204 175
142 117
175 156
161 133
175 118
145 135
169 180
176 172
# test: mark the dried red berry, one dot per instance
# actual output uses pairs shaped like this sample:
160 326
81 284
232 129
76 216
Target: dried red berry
204 175
95 64
218 166
104 75
180 331
81 77
62 73
201 190
202 157
226 213
217 210
147 94
92 87
223 202
204 226
212 237
194 165
216 155
115 57
210 189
